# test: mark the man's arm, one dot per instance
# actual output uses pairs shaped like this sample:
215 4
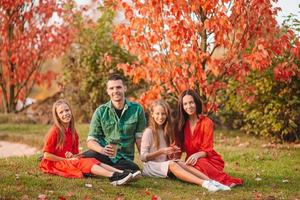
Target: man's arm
93 145
96 135
107 150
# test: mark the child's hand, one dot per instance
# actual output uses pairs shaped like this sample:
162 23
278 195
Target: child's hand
176 149
167 150
68 154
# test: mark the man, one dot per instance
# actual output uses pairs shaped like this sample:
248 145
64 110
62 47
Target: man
119 121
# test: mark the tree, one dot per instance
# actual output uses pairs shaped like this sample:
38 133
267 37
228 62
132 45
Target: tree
31 32
275 113
201 44
92 56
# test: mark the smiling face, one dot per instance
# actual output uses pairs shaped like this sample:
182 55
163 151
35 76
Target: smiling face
159 115
189 105
116 90
64 114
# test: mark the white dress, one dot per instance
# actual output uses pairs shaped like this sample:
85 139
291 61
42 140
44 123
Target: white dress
158 167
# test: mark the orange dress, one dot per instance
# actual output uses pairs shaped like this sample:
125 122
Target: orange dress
67 168
202 140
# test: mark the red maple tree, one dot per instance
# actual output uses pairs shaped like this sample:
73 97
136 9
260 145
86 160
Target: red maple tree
201 44
31 32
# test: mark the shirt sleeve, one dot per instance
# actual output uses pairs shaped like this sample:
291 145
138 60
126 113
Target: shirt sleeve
146 144
50 141
141 123
95 130
208 137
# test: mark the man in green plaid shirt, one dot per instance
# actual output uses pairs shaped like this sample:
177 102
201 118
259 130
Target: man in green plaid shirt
118 121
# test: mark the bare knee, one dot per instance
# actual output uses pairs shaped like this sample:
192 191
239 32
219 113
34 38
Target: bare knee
173 165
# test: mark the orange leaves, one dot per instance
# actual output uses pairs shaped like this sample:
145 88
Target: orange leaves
201 44
28 38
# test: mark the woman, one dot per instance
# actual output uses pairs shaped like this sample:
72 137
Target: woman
196 137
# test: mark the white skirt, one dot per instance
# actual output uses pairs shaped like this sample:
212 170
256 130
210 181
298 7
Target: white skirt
156 169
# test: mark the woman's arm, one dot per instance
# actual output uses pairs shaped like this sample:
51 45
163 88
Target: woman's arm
153 155
52 157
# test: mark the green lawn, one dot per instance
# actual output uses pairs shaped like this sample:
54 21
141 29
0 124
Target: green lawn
269 173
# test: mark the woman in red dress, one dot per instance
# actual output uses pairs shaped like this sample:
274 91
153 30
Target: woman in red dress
196 138
61 151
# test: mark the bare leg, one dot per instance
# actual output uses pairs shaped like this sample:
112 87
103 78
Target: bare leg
193 170
183 174
110 168
101 171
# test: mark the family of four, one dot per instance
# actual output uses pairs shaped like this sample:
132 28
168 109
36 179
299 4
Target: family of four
119 124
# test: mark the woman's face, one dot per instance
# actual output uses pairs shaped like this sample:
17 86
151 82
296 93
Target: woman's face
189 105
64 113
159 115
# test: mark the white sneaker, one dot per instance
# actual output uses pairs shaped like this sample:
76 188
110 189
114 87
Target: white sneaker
136 175
209 186
220 185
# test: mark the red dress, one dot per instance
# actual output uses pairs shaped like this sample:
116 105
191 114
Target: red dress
202 140
66 168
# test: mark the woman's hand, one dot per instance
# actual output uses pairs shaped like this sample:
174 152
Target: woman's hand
167 150
192 160
68 154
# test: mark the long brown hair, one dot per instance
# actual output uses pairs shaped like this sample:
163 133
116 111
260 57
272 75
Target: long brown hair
59 125
167 126
183 116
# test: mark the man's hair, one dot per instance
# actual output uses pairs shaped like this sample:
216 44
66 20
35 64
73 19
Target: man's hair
115 77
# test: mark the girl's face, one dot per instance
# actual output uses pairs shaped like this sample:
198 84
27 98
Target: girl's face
189 105
159 115
64 113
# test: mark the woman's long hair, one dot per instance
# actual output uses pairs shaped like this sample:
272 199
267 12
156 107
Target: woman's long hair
167 126
183 116
59 124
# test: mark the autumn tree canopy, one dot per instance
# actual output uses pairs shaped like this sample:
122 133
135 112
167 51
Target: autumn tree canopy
201 44
31 31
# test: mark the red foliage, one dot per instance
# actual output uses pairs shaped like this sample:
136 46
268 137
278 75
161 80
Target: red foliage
30 33
194 44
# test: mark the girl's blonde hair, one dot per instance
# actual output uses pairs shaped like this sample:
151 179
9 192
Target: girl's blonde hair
167 126
59 125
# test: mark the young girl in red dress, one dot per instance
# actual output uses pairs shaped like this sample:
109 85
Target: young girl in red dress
61 151
196 137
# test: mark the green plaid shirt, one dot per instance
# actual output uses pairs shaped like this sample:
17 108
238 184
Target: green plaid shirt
105 127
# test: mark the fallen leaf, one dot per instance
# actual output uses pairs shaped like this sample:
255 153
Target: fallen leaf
88 185
155 197
258 179
42 197
147 192
62 198
17 176
257 195
69 194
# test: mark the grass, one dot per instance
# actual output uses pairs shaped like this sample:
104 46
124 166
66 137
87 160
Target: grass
277 167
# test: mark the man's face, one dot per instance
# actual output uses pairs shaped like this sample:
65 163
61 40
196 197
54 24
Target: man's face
116 90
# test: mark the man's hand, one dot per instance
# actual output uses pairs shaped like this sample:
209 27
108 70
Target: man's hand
107 150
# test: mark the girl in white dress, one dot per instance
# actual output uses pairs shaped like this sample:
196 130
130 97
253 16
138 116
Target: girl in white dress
158 147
